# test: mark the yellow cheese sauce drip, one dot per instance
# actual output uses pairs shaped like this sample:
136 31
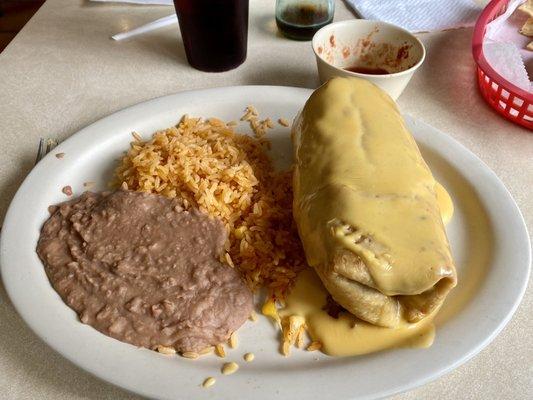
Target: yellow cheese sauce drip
445 203
348 335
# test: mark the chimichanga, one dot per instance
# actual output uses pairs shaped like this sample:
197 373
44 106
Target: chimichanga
366 208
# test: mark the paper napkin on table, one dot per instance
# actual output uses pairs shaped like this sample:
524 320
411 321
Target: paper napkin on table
421 15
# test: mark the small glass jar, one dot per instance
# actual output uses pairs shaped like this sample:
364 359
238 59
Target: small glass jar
300 19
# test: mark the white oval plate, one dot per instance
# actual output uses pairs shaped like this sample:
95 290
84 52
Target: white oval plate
488 236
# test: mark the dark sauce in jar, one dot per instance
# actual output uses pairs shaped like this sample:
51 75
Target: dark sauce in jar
368 70
301 21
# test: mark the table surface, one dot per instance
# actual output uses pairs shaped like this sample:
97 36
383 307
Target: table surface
62 73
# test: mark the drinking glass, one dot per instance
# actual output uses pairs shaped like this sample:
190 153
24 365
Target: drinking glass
214 32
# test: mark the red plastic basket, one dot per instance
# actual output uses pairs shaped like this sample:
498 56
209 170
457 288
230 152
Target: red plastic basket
513 103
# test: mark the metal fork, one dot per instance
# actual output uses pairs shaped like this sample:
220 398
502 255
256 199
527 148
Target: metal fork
46 145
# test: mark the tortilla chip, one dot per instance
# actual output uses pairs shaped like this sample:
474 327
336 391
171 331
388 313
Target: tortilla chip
527 28
527 7
530 46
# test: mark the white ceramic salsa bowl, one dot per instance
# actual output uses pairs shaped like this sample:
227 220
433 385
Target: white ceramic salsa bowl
368 44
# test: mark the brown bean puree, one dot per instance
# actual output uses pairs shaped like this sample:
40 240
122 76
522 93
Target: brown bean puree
141 269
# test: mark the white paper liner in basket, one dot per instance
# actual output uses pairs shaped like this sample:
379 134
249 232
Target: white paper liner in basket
504 46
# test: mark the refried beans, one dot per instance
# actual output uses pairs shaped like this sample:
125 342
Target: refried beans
141 269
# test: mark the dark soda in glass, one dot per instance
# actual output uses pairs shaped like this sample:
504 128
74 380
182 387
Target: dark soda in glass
214 32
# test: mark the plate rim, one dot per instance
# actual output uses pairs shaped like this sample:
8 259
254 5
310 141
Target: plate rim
10 217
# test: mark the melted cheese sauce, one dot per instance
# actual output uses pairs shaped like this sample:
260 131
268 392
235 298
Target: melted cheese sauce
361 187
445 203
348 335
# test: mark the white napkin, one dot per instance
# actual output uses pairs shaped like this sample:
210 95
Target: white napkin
421 15
149 2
